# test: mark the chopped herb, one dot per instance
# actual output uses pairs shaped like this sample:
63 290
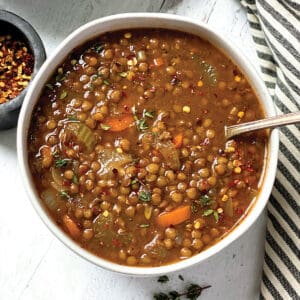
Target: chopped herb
208 212
61 162
144 225
194 207
106 82
134 181
55 154
149 114
192 292
72 118
50 86
91 87
94 77
174 295
163 279
204 200
75 179
161 296
98 47
216 216
60 77
64 194
123 74
145 196
63 95
105 127
142 124
180 277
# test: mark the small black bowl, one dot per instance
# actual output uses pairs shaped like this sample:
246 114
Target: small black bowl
18 27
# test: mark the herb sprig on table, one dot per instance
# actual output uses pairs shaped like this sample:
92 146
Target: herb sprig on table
192 291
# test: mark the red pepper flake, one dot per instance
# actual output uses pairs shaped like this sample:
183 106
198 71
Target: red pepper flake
116 243
66 182
16 67
233 183
239 211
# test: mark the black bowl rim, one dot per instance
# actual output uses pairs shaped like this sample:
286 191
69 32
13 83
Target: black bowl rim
37 48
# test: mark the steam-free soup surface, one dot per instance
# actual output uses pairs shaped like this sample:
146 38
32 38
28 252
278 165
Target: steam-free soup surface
127 148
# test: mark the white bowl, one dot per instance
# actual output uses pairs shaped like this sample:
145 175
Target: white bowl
143 20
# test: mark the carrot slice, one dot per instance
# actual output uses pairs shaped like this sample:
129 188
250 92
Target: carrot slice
174 217
71 226
177 141
119 123
158 61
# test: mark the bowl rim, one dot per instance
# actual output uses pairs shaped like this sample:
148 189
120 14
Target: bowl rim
36 46
169 21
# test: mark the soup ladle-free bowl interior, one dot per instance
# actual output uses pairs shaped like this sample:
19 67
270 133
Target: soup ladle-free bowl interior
146 20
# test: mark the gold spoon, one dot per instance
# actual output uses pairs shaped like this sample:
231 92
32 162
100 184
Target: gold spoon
272 122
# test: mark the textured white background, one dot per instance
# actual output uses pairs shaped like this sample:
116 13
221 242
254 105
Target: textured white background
33 263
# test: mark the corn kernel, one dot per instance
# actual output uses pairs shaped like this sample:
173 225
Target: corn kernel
130 75
200 83
105 213
237 78
127 35
220 210
224 198
186 109
119 150
230 149
155 129
240 114
236 163
237 170
60 70
197 225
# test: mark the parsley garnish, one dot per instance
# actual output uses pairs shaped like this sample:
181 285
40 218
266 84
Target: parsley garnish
72 118
61 162
145 196
163 279
64 194
106 82
97 47
63 95
91 87
208 212
213 212
216 216
134 181
142 124
50 86
75 179
204 200
60 77
105 127
123 74
144 225
192 292
149 114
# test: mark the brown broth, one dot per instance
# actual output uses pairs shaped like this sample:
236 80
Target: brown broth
127 146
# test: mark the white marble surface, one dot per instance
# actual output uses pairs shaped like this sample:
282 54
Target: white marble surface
33 263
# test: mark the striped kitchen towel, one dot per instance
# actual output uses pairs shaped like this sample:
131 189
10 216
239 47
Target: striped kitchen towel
275 27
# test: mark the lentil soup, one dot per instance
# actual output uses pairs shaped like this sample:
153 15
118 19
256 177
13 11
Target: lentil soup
127 147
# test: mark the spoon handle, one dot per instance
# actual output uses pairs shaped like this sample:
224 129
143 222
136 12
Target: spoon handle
272 122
